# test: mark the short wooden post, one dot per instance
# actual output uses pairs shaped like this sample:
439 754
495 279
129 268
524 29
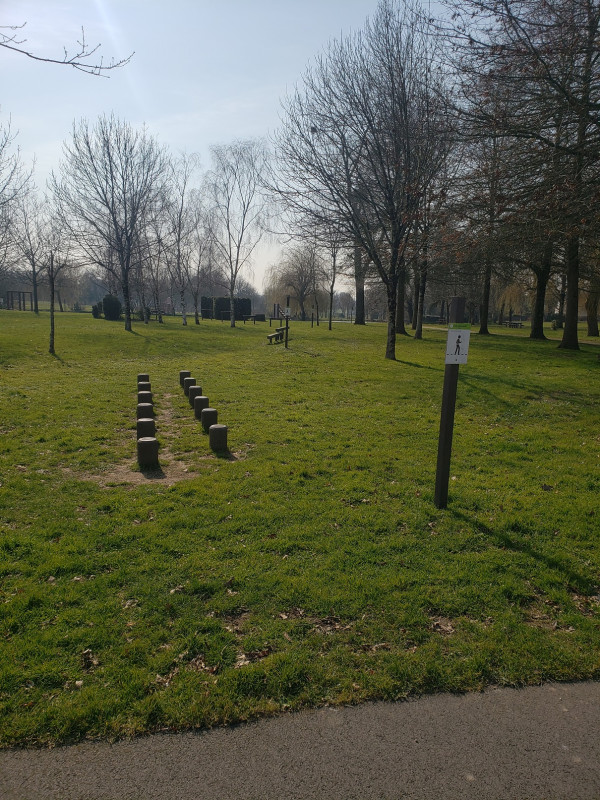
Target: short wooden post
145 410
187 382
147 452
144 397
208 417
143 376
217 438
144 386
183 373
193 392
145 427
200 403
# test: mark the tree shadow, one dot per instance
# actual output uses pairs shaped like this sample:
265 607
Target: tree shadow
576 581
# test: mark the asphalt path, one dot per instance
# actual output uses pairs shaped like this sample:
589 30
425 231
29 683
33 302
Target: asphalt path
540 743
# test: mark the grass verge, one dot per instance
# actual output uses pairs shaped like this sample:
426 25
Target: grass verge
311 565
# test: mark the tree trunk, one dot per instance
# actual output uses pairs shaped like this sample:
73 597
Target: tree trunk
392 290
126 297
485 300
34 290
542 274
591 306
416 297
60 305
400 297
359 280
51 286
570 339
422 286
182 300
231 307
330 307
561 302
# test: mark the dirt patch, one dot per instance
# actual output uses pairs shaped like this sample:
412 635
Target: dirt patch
171 469
130 473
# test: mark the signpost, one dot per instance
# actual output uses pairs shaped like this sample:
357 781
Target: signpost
287 320
457 349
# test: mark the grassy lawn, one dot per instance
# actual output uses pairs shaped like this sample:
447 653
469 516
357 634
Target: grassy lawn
310 566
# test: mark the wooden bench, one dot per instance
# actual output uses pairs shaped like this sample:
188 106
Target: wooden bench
513 324
278 336
249 316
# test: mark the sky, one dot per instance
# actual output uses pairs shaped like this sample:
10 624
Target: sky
203 71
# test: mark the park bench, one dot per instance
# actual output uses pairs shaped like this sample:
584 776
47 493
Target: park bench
513 324
277 336
249 316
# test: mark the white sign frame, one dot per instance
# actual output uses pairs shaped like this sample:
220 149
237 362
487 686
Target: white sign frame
457 343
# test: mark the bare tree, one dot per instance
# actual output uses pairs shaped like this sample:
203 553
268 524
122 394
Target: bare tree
181 224
296 273
31 243
360 141
58 261
541 59
238 206
15 183
111 179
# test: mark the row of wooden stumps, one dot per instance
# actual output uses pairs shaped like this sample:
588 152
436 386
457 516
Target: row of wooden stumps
217 434
147 443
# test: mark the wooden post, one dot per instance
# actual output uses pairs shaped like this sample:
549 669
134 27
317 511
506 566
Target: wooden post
442 476
287 321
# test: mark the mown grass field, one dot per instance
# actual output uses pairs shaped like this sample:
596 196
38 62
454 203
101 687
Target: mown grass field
311 566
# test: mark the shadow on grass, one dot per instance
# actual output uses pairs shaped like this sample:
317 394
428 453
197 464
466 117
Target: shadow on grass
226 455
576 582
153 473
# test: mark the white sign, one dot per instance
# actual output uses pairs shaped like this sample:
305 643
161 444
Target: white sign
287 312
457 345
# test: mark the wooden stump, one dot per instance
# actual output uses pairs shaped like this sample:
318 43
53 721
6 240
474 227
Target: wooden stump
193 392
217 438
187 382
144 397
144 386
143 376
208 417
147 452
200 403
145 427
145 410
183 373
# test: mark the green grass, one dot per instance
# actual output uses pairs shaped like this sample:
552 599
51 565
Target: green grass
310 567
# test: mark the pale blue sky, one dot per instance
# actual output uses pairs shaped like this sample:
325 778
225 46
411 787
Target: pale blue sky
203 72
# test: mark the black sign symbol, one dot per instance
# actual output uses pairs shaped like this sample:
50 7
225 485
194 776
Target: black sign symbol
457 348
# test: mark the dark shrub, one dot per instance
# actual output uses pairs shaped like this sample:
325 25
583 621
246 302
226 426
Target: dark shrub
112 307
97 310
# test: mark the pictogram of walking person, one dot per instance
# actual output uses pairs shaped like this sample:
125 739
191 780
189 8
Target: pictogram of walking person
457 348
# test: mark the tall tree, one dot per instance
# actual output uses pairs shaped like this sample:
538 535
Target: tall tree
111 177
15 183
239 208
542 60
353 148
31 243
181 224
